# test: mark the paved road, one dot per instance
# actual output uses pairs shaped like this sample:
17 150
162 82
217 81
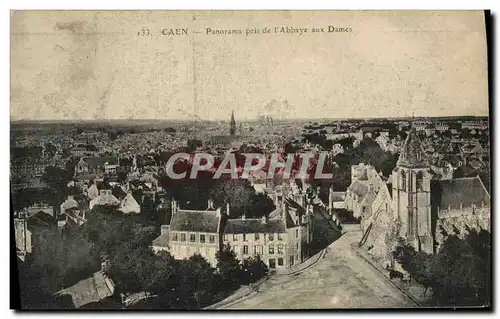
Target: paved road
340 280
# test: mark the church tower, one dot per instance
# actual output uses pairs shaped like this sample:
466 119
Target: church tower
232 127
411 192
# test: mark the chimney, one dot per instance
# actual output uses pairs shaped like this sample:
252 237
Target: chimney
264 219
210 204
174 206
227 209
71 197
243 217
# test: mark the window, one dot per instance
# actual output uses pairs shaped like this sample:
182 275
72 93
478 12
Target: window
291 260
183 237
420 180
280 236
271 249
271 237
244 237
280 249
174 237
245 249
235 237
256 236
192 238
280 261
226 237
202 238
296 233
258 250
211 238
403 181
297 246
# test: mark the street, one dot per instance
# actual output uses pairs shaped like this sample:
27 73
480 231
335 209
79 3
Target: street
341 279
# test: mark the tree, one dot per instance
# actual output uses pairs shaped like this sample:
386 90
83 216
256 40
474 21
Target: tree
459 274
254 269
228 267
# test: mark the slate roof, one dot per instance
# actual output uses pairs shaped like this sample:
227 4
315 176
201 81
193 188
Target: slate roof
105 199
253 226
89 290
412 154
161 241
197 221
466 191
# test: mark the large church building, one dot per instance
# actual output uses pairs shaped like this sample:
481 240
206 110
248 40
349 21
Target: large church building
410 204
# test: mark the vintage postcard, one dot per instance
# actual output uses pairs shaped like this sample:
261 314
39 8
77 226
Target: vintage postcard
251 160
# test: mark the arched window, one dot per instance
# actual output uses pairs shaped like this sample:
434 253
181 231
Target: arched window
403 180
420 181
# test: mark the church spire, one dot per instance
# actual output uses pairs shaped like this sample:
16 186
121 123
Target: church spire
232 127
412 155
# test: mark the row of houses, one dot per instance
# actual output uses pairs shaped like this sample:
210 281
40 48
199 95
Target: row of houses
280 239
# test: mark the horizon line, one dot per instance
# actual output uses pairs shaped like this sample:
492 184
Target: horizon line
246 119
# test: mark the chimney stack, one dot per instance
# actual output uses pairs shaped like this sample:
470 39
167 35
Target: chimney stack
227 209
174 206
265 219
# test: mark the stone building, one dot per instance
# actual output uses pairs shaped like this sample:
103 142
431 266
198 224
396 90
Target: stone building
281 239
191 232
414 206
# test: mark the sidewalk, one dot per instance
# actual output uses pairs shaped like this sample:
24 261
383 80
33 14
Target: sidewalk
412 290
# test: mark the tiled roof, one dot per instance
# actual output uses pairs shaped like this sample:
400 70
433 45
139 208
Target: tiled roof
252 226
466 191
198 221
412 155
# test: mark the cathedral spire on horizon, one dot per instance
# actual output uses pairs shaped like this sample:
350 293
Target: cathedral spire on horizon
232 125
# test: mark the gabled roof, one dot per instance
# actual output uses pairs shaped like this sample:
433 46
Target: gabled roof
253 226
466 191
412 155
196 221
69 204
89 290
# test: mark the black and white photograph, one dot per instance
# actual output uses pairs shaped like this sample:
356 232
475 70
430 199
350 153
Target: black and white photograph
250 160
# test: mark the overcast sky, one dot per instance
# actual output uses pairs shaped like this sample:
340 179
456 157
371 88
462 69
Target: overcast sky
90 65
